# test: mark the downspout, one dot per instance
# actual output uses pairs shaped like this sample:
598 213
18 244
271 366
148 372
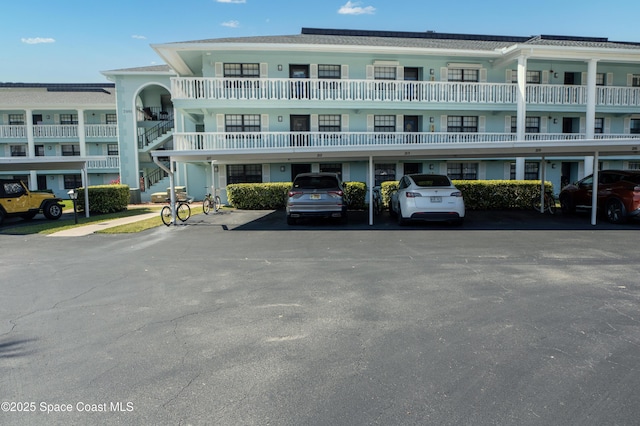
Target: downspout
371 184
172 186
594 192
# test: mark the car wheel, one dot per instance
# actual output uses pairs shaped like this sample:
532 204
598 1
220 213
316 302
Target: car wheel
392 212
52 211
566 206
290 220
616 213
401 220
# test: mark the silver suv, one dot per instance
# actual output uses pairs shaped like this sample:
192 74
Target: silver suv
316 195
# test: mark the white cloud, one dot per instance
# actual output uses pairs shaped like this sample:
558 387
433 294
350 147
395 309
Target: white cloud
139 37
231 1
38 40
351 8
231 24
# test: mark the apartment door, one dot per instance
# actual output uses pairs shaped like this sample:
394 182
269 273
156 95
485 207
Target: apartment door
299 89
296 169
299 125
570 125
411 74
411 125
37 119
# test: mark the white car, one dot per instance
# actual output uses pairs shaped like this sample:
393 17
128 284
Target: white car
427 197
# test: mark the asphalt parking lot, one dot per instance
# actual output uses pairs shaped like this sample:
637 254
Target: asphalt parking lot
514 318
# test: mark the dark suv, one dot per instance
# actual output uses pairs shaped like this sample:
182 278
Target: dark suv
316 195
618 194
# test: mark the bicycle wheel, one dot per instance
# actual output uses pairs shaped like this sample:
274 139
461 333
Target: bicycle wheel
183 211
206 205
165 214
535 203
550 204
217 204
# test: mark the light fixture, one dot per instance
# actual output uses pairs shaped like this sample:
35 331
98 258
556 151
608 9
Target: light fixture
283 168
555 121
279 67
431 120
432 71
215 169
431 166
553 165
280 119
73 196
49 147
48 117
555 75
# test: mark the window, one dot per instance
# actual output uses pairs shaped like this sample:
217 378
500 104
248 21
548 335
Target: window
72 181
635 80
635 126
462 171
463 74
329 123
39 150
328 71
242 122
599 125
384 73
112 149
384 123
634 165
16 119
384 172
70 150
533 77
600 79
531 171
532 125
244 173
331 168
18 150
462 124
68 118
112 118
242 70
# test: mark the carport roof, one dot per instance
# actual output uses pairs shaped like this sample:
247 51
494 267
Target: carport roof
604 147
42 163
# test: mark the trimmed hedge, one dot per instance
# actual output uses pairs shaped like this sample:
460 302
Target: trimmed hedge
488 194
478 194
271 196
104 198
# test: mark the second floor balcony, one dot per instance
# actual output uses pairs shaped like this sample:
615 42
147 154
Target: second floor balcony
334 141
59 131
348 90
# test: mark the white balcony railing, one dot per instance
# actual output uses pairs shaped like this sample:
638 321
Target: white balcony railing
101 130
67 131
274 89
109 162
321 140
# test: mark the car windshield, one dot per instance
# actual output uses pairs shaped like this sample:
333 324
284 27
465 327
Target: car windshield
315 182
633 178
426 181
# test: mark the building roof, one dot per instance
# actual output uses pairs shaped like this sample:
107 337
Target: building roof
428 39
57 95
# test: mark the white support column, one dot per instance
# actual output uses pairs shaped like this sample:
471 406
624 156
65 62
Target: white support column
81 134
370 185
590 121
31 148
521 120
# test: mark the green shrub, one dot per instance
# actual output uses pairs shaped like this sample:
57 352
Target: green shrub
104 198
487 194
258 196
356 193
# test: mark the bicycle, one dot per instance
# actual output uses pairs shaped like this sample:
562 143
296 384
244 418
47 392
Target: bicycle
549 203
377 200
183 211
211 202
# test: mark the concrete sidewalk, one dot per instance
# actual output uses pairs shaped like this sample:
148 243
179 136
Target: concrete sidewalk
80 231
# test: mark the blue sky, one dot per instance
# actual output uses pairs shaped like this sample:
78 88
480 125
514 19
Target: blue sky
71 41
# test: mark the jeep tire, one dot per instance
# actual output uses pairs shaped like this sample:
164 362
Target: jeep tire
52 210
